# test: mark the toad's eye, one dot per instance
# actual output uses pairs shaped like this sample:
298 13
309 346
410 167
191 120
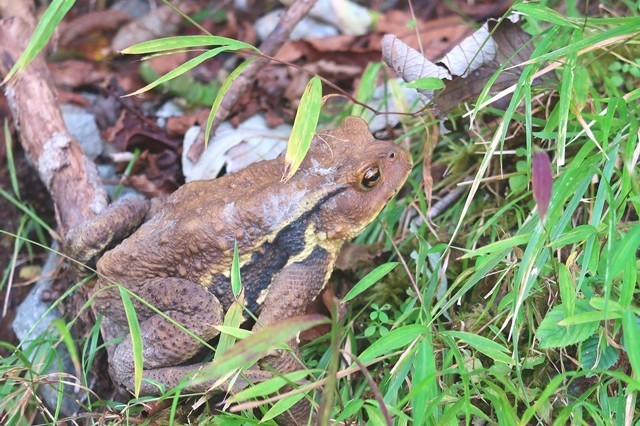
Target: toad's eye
370 177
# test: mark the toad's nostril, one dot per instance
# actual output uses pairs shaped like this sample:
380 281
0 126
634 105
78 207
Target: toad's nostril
392 155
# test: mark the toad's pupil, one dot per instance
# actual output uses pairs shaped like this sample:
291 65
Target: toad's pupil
371 177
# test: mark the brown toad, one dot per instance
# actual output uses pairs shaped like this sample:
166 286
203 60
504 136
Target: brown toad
288 236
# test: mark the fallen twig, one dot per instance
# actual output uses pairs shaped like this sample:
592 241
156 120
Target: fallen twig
71 178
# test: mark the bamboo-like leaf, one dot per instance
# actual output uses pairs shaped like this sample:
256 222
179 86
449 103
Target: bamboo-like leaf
221 94
631 333
567 289
304 127
11 165
233 317
250 350
507 243
232 320
67 338
576 235
391 341
625 249
181 69
606 304
544 13
185 42
267 387
426 83
236 281
237 333
370 279
136 339
282 406
41 35
590 317
493 350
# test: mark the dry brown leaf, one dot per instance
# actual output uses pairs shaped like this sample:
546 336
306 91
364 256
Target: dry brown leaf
160 22
509 39
178 125
129 130
74 73
433 133
438 36
90 34
156 174
353 256
474 61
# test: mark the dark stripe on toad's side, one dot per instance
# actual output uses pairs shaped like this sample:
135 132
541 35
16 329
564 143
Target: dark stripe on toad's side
317 263
258 273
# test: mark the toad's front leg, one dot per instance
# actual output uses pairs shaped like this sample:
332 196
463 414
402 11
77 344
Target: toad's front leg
291 292
88 241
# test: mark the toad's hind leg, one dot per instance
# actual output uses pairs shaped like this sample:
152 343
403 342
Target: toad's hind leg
164 345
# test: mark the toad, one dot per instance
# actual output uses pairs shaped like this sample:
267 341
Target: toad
288 236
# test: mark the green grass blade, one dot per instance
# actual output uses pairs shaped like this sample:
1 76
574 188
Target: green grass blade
493 350
629 281
232 320
566 95
498 246
236 280
41 35
596 216
136 339
234 316
576 235
505 412
589 317
282 406
567 289
370 279
544 13
28 211
237 333
181 69
11 165
67 338
631 332
250 350
267 387
627 29
391 341
424 376
625 250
